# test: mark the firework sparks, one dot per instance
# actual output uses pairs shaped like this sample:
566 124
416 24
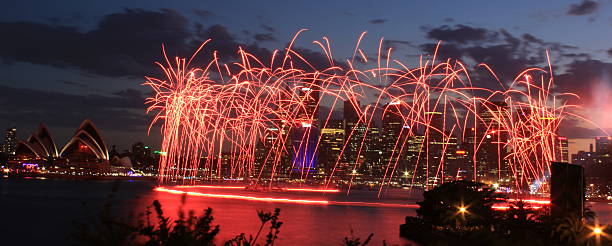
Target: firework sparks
259 121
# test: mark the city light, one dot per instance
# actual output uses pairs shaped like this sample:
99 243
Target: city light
597 230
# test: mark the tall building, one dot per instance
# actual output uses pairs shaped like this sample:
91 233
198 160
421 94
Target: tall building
603 145
434 148
597 165
141 155
486 144
394 133
562 151
10 141
305 135
330 148
355 132
271 154
373 165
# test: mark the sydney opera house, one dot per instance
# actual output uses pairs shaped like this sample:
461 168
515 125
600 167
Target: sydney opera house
84 152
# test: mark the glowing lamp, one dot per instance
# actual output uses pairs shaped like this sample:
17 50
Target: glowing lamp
597 230
462 210
306 124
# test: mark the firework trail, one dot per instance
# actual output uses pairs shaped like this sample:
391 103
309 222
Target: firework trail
259 120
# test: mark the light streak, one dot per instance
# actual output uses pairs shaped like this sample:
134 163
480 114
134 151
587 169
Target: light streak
283 200
246 187
241 197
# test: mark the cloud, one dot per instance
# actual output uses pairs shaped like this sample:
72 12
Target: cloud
122 44
378 21
74 83
264 37
583 8
504 52
508 54
204 14
268 28
121 111
387 43
587 78
448 19
461 34
610 52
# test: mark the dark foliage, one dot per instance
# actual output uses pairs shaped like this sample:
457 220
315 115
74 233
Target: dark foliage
440 221
443 205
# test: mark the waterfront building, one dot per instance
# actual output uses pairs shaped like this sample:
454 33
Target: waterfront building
10 141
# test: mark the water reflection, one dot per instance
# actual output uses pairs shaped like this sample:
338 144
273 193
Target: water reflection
304 224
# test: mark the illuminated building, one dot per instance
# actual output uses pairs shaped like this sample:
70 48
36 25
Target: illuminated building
392 138
330 148
597 165
562 151
305 134
490 140
373 165
435 140
355 131
10 141
603 145
39 145
270 156
141 155
85 151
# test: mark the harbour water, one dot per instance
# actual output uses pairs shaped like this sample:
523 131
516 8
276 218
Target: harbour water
43 211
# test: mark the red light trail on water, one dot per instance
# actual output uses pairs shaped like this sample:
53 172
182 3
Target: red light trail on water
214 115
241 197
176 190
245 187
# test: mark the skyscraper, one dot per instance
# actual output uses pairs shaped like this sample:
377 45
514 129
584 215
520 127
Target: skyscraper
332 142
603 145
10 141
393 136
355 130
489 140
562 151
306 134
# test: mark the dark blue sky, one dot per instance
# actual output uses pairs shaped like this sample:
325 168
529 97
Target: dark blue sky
63 61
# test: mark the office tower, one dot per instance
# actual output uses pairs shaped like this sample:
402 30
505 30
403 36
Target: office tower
394 133
10 141
603 145
330 148
306 133
486 143
355 131
373 166
562 150
141 155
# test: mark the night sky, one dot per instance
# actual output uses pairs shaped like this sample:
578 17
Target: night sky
64 61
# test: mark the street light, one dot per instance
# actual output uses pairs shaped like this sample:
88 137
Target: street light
462 210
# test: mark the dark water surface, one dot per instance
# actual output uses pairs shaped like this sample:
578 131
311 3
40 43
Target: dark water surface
35 212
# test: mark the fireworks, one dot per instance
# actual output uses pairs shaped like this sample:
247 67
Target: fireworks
259 120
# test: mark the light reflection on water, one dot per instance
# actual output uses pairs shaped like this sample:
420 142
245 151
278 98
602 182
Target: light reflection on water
304 224
49 207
